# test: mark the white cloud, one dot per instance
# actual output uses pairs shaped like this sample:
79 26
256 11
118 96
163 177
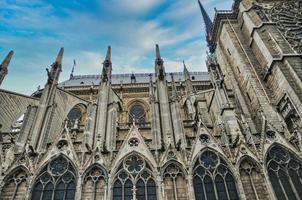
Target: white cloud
38 33
135 6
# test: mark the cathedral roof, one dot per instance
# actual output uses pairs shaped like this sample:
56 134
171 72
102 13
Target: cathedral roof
87 80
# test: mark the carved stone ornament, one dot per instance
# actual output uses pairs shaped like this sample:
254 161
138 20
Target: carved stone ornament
171 154
271 134
288 16
204 138
133 142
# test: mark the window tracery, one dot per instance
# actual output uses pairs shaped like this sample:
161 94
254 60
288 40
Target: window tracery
252 180
94 184
175 185
288 17
212 179
137 114
56 181
285 172
76 116
134 180
15 187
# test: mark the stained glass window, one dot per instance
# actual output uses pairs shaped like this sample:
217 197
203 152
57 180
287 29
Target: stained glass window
76 115
134 180
285 172
212 178
56 181
137 113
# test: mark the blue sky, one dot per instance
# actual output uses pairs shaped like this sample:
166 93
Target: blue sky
36 29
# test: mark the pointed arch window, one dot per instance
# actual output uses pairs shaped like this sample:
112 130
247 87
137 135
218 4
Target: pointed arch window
212 178
15 187
175 185
253 180
137 113
94 184
77 116
285 173
134 180
57 181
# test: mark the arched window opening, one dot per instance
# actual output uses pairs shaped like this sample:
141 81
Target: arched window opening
94 184
134 180
137 113
285 173
15 187
212 179
175 185
56 181
253 180
77 116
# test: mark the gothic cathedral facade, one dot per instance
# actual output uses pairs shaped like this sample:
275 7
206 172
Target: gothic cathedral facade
233 132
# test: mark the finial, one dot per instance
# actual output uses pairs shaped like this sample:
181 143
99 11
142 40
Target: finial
7 60
4 66
60 56
72 70
107 66
186 71
108 53
157 52
185 67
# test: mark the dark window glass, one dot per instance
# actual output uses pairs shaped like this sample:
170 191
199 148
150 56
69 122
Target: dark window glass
275 183
284 173
220 187
137 113
208 184
209 165
151 190
128 190
296 181
59 180
231 186
117 190
140 190
71 189
59 193
48 191
287 187
134 180
74 114
38 188
198 188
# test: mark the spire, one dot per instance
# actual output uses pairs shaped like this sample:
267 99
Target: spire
189 86
107 66
157 52
72 70
159 64
4 66
186 72
108 53
208 25
56 68
60 57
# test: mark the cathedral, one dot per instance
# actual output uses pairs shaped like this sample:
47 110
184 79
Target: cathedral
233 132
